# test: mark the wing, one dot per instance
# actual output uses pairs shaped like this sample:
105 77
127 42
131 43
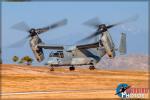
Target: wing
60 47
88 46
45 46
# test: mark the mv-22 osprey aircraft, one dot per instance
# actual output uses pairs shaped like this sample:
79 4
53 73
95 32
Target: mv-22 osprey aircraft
77 54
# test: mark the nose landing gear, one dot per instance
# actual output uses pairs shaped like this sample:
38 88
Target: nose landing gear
92 67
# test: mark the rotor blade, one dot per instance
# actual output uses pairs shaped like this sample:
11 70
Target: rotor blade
89 37
19 43
22 26
55 25
133 18
94 22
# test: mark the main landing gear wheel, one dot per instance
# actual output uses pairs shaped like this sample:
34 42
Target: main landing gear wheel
92 67
51 68
71 68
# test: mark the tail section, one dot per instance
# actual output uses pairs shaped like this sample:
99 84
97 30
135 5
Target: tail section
122 46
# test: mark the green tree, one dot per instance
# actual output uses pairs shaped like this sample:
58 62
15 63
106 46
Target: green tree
15 58
28 60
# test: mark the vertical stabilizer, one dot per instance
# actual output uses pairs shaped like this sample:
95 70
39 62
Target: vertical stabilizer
122 46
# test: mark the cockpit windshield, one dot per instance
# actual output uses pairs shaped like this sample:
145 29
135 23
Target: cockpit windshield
58 54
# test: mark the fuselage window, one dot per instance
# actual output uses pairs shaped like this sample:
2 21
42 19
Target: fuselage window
57 54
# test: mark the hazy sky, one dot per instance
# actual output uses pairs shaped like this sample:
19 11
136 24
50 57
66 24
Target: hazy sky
40 14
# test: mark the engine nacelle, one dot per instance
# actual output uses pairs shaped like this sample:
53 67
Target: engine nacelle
38 52
108 44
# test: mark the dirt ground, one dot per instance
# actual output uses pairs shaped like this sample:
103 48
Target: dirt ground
28 82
